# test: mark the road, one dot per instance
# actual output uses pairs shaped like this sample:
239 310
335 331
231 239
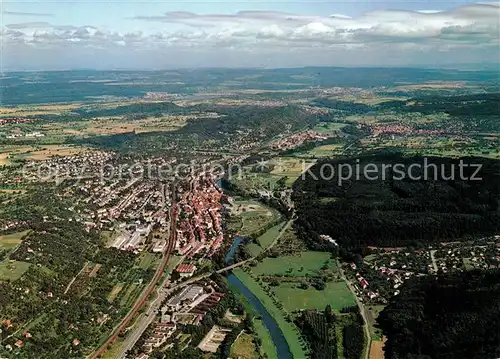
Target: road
362 312
145 294
433 259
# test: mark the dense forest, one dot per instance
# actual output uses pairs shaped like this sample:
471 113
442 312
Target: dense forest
447 317
237 126
424 203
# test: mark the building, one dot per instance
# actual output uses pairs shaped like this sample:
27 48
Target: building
186 270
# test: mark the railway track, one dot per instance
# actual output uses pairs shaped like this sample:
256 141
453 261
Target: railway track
151 287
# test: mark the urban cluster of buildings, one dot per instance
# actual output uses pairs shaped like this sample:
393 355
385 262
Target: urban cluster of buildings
404 130
199 227
14 120
297 139
186 307
27 135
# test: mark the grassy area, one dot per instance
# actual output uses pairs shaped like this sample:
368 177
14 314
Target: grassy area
291 167
147 260
244 347
289 330
372 313
265 240
249 216
336 294
114 292
10 241
267 346
13 270
307 262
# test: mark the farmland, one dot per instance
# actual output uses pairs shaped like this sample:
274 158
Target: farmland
10 241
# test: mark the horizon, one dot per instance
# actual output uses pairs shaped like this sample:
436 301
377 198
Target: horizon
139 35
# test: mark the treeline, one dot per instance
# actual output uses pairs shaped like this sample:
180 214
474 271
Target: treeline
392 211
454 316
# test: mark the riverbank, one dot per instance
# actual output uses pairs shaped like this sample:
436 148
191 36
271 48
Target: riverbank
285 328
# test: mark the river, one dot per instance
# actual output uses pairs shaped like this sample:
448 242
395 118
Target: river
279 341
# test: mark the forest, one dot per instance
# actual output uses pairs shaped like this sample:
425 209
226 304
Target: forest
454 316
416 209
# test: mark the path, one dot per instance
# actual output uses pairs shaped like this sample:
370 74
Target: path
362 312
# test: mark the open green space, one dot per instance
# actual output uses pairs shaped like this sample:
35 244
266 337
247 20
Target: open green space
13 270
147 260
267 346
372 313
308 262
289 330
10 241
336 294
265 240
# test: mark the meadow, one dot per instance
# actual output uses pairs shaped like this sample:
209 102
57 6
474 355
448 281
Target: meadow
335 294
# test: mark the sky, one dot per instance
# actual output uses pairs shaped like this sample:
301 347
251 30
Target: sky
127 34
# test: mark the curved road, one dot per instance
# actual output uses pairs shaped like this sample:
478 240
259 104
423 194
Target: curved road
152 285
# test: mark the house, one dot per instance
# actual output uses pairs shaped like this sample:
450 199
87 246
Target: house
142 356
76 342
186 270
19 343
363 283
27 335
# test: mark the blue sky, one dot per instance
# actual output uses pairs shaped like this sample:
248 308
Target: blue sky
164 34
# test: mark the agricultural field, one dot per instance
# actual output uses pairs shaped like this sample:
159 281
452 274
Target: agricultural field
12 270
38 153
291 168
244 347
336 294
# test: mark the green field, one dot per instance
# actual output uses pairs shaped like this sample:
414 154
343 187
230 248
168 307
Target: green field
10 241
13 270
336 294
306 263
265 240
147 260
289 330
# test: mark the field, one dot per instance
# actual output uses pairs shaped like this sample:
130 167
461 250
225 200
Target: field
10 241
147 260
289 330
250 216
13 270
265 240
38 153
336 294
290 167
306 263
114 292
244 347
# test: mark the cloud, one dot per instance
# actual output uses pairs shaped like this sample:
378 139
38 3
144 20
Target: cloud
35 14
472 29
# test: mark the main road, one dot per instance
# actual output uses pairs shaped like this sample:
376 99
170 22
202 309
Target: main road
150 288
